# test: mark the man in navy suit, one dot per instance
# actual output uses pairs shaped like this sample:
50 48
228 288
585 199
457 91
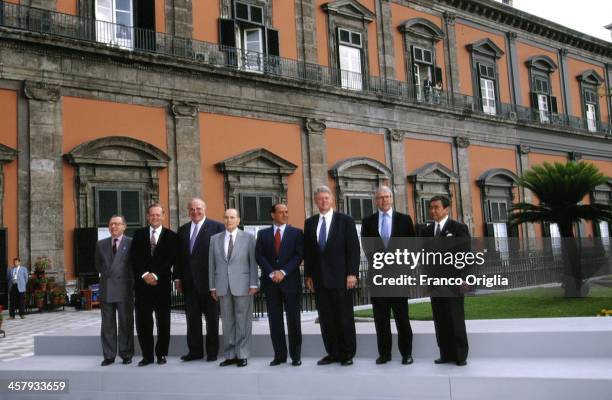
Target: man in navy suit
447 304
191 277
331 267
279 253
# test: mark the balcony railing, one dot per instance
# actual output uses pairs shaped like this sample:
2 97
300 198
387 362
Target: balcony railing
141 40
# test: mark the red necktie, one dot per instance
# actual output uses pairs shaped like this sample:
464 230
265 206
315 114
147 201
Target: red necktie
115 246
277 241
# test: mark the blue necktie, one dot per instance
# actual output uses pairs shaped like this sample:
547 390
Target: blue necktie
322 234
437 233
384 229
193 238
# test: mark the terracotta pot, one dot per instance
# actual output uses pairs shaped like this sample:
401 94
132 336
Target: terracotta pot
40 303
43 287
55 301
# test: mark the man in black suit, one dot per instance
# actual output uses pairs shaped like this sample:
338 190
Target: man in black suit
447 305
331 267
380 227
153 254
279 253
191 277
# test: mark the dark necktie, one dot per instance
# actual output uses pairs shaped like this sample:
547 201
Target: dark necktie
230 247
277 241
152 242
322 234
115 246
193 238
437 230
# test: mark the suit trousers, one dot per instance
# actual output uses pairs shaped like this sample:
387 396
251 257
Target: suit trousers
157 302
449 321
335 308
276 300
124 311
237 319
382 307
17 300
196 304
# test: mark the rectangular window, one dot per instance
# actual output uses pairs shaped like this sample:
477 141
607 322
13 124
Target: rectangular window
255 209
249 13
498 211
543 108
591 116
350 67
359 207
422 56
111 202
487 92
115 23
540 85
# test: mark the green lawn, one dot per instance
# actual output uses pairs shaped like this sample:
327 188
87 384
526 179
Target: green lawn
532 303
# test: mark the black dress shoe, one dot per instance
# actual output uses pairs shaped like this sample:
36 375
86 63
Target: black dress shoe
161 360
211 358
461 363
296 363
382 360
191 357
407 360
327 360
228 361
346 363
127 360
107 361
145 361
441 361
242 362
277 362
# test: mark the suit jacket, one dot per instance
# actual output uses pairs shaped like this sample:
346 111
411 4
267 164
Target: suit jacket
289 259
116 273
192 268
160 263
22 278
401 226
236 275
340 256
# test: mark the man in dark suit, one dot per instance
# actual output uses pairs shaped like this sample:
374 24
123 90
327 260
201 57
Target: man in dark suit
379 228
447 305
112 260
279 253
331 267
191 277
153 253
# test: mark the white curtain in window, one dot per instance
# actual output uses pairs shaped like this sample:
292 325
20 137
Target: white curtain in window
350 66
543 107
114 22
487 90
591 117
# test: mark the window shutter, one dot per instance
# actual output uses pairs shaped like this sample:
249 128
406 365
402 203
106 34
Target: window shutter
553 105
489 230
272 42
478 77
227 34
412 63
437 75
535 104
513 230
546 229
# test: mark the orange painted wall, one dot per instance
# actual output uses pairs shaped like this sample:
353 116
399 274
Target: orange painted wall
205 20
525 52
482 159
323 40
283 19
420 152
466 35
67 6
160 15
8 137
399 14
575 68
85 120
224 136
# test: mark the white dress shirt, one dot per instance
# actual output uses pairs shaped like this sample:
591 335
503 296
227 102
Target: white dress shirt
328 220
441 223
194 225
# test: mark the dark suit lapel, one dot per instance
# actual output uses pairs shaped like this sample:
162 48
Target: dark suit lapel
332 228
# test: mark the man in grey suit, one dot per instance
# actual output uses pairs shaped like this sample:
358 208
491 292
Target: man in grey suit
233 282
116 292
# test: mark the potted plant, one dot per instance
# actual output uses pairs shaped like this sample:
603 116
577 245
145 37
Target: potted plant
50 283
41 265
42 284
62 296
39 295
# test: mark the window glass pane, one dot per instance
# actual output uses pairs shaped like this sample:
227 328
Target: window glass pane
107 206
427 56
355 208
494 211
265 204
123 5
503 212
253 40
356 39
345 36
130 206
249 208
483 70
350 66
242 11
257 14
367 207
418 54
124 18
491 72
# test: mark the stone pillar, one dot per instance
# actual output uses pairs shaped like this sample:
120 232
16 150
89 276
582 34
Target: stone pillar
567 94
450 54
314 154
526 195
386 51
46 174
513 67
397 160
465 184
187 159
179 21
306 24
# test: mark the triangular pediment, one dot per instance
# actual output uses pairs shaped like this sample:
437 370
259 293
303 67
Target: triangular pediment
7 153
433 172
349 8
486 47
259 161
590 77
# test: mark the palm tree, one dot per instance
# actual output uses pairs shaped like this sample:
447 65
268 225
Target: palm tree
560 189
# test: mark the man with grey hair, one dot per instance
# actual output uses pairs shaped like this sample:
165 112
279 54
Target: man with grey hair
377 230
112 260
331 267
191 277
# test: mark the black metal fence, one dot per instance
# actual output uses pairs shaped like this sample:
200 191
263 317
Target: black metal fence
140 40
